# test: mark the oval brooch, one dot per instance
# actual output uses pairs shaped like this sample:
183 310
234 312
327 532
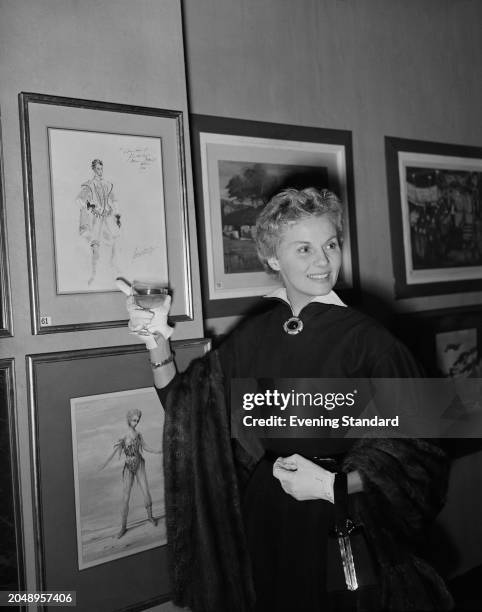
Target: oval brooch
293 326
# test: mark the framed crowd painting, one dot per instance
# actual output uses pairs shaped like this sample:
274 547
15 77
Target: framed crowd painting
435 198
238 166
11 537
105 195
5 305
98 479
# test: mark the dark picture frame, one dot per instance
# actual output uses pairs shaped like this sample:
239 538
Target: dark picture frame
6 321
435 201
71 237
12 576
261 158
74 374
448 341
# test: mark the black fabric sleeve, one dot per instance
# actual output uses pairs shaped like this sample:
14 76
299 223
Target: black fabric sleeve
164 392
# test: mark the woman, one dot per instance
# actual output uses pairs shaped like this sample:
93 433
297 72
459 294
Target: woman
132 445
249 519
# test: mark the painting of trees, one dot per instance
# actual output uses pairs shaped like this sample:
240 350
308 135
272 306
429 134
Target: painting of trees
246 187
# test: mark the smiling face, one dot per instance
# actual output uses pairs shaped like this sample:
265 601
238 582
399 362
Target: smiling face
308 259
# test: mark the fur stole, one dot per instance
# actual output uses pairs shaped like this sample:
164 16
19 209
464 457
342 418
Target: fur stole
210 567
404 487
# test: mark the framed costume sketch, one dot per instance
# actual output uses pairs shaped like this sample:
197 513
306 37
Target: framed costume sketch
6 328
84 473
238 166
111 455
435 198
105 196
11 533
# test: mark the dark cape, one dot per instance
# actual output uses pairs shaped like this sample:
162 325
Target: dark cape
206 472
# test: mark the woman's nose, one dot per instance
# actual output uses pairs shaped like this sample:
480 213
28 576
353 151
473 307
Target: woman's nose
321 258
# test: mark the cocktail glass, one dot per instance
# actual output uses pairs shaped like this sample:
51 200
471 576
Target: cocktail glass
147 296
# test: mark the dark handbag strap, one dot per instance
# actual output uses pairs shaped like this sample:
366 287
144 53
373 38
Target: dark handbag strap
343 523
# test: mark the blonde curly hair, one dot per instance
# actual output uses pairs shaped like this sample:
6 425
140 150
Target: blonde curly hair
288 207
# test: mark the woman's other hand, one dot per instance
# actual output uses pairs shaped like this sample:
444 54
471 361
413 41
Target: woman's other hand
303 479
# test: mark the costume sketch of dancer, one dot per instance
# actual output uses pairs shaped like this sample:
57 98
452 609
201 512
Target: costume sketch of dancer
132 445
99 218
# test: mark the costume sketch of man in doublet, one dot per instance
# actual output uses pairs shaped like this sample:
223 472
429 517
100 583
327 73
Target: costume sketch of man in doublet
99 218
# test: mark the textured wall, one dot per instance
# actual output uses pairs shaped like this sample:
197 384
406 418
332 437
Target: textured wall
401 68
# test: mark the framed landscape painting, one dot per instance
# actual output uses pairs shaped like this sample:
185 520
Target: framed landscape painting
105 196
435 198
239 165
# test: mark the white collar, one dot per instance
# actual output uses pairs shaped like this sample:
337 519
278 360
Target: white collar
329 298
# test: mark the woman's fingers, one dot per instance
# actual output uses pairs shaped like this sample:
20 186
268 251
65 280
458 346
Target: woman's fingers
286 463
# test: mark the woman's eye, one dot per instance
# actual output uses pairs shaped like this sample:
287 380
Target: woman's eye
303 249
332 245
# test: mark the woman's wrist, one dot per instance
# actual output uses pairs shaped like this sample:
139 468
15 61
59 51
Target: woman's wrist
161 351
162 363
163 375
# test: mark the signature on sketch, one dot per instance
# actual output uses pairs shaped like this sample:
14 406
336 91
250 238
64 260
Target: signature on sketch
143 252
140 156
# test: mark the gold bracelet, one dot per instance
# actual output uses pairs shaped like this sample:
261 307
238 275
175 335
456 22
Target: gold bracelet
159 364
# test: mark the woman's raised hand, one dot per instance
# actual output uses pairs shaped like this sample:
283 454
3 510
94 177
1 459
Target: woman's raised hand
147 324
153 321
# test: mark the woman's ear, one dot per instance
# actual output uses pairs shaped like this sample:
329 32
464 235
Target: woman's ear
273 264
